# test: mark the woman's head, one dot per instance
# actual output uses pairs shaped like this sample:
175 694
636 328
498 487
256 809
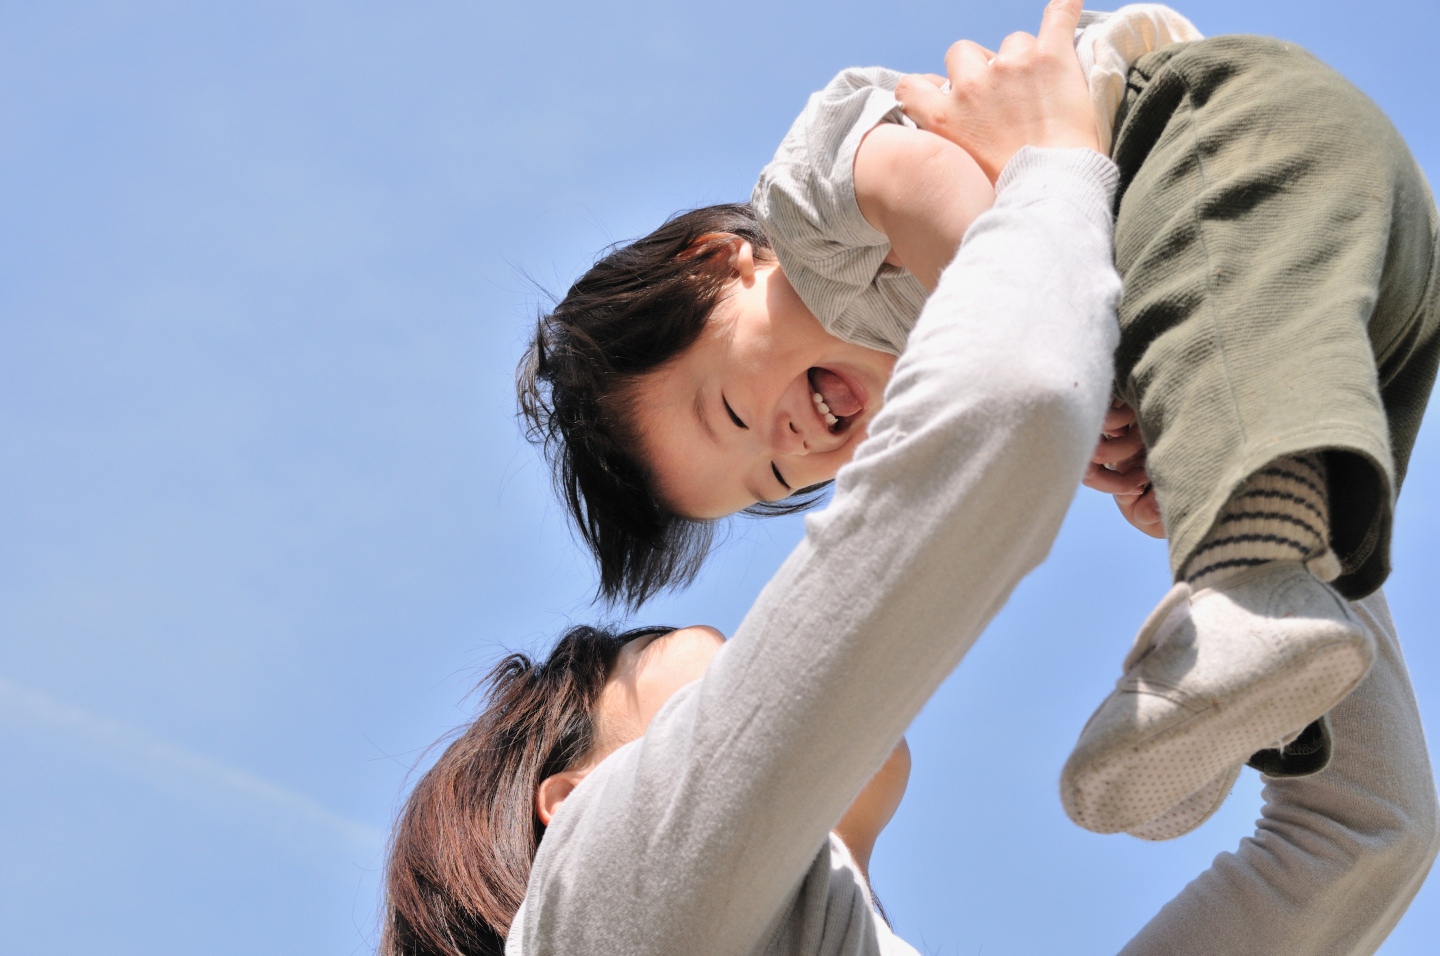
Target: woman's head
462 848
673 384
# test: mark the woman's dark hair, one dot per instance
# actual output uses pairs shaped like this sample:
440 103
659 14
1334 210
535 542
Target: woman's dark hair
637 308
462 848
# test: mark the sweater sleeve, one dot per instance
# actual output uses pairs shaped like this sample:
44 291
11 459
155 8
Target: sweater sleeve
698 837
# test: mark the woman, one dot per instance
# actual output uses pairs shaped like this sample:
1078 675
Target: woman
1337 857
694 816
545 727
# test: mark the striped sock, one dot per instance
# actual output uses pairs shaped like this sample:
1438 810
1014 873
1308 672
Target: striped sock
1282 513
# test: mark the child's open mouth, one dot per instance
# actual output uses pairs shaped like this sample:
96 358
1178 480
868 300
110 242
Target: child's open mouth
835 401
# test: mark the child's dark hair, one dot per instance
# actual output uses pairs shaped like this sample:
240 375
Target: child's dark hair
637 308
462 848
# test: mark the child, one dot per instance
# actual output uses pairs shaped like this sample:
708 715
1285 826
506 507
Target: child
1279 343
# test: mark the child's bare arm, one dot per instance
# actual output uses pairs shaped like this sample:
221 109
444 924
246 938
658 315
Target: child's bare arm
917 191
923 192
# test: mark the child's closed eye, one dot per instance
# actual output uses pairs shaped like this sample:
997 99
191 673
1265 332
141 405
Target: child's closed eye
731 412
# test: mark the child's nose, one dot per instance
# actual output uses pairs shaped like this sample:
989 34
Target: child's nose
798 429
794 436
792 439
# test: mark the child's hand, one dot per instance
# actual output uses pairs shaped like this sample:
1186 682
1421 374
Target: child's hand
1031 93
1118 468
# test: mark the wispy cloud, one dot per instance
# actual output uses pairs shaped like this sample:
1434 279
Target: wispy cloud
177 767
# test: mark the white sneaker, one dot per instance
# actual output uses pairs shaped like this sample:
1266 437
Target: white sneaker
1214 676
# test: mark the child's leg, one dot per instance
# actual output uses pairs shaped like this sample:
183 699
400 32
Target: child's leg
1277 243
1280 334
1336 858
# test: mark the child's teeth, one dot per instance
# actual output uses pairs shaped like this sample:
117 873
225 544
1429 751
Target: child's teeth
819 399
830 419
824 409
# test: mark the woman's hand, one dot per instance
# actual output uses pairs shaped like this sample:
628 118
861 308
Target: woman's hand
1031 93
1118 468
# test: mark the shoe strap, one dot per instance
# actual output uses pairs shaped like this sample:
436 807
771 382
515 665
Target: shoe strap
1179 595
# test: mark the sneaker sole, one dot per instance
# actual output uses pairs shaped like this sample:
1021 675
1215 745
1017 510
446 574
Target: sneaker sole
1179 761
1190 812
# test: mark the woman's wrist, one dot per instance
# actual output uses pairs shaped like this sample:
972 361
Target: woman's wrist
1080 176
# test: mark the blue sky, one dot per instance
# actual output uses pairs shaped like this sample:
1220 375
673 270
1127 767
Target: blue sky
265 273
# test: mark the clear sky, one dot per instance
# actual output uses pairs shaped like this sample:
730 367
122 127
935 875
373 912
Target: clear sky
265 271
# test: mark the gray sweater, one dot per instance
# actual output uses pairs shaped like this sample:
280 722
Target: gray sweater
710 835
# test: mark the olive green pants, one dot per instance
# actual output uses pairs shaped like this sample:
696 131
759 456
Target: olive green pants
1282 292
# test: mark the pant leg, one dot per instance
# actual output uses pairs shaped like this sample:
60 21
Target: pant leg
1336 858
1278 247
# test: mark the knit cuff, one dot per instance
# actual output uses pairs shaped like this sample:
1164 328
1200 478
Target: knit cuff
1082 177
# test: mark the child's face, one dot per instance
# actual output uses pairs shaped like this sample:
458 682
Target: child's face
732 420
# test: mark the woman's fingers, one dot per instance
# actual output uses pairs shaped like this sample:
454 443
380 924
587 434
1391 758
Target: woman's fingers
1118 469
1057 25
1118 418
1113 451
1034 95
923 102
1143 512
1101 479
1117 482
986 53
1147 513
965 61
928 105
1016 44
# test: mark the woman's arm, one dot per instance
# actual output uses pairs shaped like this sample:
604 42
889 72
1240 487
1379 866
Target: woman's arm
698 837
714 816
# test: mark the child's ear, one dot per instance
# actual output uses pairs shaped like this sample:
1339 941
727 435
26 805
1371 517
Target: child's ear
738 250
742 260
